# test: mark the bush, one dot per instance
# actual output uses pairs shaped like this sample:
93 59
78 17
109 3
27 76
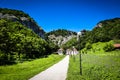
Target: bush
108 47
18 41
88 46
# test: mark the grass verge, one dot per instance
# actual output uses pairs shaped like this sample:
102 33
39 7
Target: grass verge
104 66
26 70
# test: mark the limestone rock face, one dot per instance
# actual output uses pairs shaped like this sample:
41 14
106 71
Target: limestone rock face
30 23
60 40
61 36
99 25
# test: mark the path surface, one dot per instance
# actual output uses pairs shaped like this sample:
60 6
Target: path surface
56 72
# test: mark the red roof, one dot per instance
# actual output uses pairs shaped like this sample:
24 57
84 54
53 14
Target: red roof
116 45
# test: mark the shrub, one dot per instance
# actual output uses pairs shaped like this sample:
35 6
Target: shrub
108 47
88 46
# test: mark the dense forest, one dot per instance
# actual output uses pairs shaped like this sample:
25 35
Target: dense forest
18 42
104 31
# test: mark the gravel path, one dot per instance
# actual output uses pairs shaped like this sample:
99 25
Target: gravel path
56 72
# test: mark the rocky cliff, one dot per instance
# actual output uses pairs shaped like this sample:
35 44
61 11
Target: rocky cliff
61 36
23 18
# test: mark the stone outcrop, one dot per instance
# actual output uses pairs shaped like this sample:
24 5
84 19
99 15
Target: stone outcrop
99 25
60 40
28 22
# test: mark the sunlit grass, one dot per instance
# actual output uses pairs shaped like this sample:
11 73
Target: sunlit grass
26 70
104 66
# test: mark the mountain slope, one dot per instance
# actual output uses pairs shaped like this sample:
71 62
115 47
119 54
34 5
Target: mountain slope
23 18
21 38
19 42
104 31
60 36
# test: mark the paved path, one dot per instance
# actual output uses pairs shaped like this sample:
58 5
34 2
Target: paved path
56 72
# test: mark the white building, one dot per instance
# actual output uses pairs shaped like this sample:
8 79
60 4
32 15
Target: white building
60 51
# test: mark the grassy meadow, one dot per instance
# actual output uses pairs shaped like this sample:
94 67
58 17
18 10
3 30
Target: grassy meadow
26 70
103 66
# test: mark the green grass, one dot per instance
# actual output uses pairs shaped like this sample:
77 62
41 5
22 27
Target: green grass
26 70
104 66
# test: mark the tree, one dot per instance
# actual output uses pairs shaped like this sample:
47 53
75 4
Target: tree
17 42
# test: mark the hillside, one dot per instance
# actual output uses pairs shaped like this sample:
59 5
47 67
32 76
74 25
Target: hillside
60 36
21 38
23 18
107 30
104 31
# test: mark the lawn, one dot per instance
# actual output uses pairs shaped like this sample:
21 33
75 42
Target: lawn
26 70
103 66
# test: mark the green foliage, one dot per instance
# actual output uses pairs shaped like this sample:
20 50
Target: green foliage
17 15
51 47
18 42
109 30
116 41
88 46
98 47
14 12
104 66
72 42
108 47
61 32
26 70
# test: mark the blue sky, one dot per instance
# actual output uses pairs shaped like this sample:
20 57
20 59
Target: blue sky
72 15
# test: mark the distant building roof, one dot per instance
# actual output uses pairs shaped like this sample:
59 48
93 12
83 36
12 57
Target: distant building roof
116 45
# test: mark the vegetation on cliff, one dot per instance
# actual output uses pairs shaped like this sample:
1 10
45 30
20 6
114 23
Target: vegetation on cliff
61 32
17 13
23 18
104 31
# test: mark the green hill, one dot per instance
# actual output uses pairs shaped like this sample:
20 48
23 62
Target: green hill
23 18
17 13
104 31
